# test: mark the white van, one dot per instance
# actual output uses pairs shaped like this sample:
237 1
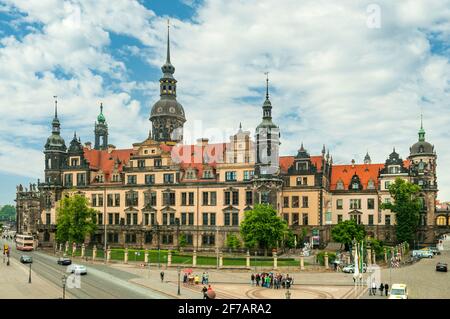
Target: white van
398 291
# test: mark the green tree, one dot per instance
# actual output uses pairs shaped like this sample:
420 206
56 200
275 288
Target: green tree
8 212
346 231
262 227
75 219
289 239
233 241
182 242
406 205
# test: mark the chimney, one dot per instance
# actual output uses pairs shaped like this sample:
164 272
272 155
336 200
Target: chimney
88 145
111 148
202 141
353 163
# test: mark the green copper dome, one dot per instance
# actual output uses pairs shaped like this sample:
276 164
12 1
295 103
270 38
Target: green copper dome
101 117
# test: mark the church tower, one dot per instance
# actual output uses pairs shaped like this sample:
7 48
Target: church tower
167 115
267 181
55 152
423 173
101 131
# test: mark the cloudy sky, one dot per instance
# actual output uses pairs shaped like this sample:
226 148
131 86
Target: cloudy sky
353 75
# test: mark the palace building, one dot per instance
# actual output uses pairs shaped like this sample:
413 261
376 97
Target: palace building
158 189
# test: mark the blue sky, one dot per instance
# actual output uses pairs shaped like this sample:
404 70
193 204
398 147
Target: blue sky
334 80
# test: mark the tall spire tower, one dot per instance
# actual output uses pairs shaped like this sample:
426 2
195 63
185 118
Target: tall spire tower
267 168
167 115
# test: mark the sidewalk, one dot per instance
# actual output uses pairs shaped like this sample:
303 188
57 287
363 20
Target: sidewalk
14 283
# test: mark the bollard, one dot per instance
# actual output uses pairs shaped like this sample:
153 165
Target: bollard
83 248
194 259
108 254
94 253
169 259
220 260
302 263
275 260
247 260
125 256
74 249
326 260
146 256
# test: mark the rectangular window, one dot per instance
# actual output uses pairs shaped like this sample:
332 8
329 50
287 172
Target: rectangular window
205 219
248 198
74 162
110 218
286 218
183 199
386 184
164 215
339 204
172 218
387 220
131 179
295 201
355 204
183 219
235 198
141 163
299 181
81 179
135 219
168 178
157 162
146 219
205 198
235 219
189 239
286 202
150 179
128 219
169 199
213 200
230 176
339 218
212 219
100 200
191 218
68 180
370 221
305 202
117 218
227 198
152 218
94 200
295 220
117 200
148 237
305 219
227 220
131 199
246 175
191 199
109 200
48 219
370 203
305 181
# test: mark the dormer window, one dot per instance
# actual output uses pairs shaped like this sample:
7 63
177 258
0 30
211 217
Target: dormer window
394 169
74 162
302 166
207 174
190 174
340 185
355 186
421 149
371 184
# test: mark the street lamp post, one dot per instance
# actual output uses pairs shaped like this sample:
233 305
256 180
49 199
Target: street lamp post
29 275
64 286
159 248
104 222
255 259
177 222
179 273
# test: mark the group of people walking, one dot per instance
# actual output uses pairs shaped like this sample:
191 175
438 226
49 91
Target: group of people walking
271 280
382 288
195 279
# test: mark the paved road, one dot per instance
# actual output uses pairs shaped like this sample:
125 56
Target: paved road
101 282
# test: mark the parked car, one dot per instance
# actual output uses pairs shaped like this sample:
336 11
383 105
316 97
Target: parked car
351 268
434 250
441 267
398 291
77 269
422 253
64 261
24 259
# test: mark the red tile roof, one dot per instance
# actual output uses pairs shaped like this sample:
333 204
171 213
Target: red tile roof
345 173
288 161
104 161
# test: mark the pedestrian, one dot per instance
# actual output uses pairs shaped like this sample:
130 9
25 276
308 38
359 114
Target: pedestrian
381 289
386 289
252 278
205 290
257 278
162 276
203 279
197 279
207 278
374 288
185 278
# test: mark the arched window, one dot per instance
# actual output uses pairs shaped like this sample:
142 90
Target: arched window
421 166
441 221
421 149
